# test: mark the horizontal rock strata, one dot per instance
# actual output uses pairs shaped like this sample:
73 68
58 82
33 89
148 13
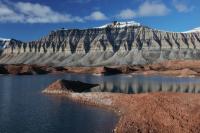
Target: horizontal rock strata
104 46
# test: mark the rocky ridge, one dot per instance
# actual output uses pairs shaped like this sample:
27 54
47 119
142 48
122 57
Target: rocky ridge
110 45
9 44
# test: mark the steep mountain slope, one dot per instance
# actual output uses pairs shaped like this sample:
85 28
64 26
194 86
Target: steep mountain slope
113 44
6 43
3 42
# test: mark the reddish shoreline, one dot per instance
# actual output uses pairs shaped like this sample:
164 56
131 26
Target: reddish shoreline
150 112
179 68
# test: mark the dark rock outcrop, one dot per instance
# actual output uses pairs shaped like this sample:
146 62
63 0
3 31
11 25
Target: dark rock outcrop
65 86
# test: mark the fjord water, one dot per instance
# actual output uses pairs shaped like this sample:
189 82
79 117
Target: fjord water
24 109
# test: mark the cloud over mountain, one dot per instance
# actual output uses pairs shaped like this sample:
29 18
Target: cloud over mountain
182 7
25 12
147 8
153 9
127 14
96 15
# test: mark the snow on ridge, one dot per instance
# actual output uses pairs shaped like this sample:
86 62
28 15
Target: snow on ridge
193 30
3 39
189 31
116 24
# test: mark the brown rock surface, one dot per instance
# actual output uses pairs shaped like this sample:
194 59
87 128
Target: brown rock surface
24 69
158 113
150 112
91 70
182 68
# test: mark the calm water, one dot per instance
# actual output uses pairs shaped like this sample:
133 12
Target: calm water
23 109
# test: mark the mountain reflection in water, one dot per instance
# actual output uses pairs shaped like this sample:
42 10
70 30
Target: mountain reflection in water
143 84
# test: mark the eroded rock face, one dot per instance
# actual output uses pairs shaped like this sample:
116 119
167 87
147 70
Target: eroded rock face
66 86
104 46
8 45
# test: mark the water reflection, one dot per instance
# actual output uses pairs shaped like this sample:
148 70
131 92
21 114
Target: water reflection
24 109
142 84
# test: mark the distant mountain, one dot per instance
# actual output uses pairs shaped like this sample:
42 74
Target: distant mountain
117 43
193 30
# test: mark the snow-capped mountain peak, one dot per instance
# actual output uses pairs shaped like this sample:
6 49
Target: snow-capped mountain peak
193 30
116 24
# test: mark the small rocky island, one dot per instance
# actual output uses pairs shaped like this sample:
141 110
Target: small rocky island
139 113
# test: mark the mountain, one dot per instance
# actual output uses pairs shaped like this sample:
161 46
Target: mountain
193 30
8 43
118 43
116 24
3 42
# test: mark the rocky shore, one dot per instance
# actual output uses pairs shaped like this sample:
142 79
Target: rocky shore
144 113
179 68
24 69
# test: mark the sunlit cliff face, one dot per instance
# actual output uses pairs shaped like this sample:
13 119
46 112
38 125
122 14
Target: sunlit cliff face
128 45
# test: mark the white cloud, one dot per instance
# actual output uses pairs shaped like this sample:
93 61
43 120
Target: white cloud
79 1
25 12
147 8
96 15
4 10
8 15
182 7
127 14
153 9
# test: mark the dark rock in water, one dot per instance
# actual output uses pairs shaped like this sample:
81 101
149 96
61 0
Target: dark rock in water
112 70
122 69
69 86
3 70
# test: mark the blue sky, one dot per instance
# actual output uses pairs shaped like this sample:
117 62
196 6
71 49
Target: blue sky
31 19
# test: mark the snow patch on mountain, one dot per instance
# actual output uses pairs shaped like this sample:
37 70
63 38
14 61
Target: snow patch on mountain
4 39
116 24
193 30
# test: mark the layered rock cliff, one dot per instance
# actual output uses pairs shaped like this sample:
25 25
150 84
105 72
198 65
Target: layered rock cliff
9 44
109 45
